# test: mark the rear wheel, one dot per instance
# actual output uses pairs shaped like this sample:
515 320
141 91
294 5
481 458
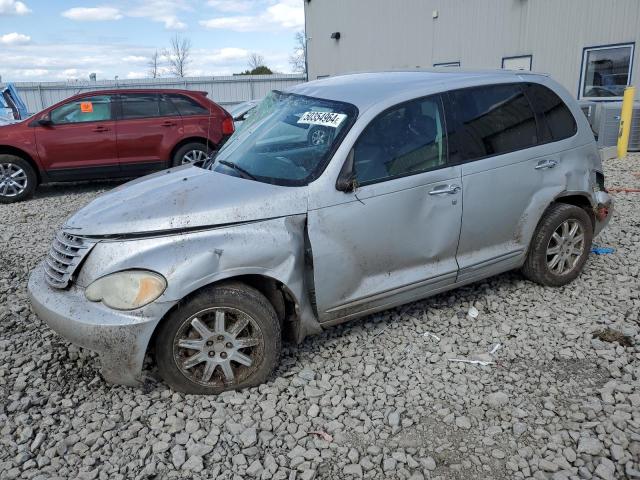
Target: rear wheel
194 153
17 179
225 338
560 246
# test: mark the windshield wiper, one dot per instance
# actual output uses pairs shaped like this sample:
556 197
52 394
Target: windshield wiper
238 169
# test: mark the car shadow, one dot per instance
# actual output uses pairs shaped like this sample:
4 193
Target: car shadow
52 190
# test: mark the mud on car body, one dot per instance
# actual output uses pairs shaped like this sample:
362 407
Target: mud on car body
338 198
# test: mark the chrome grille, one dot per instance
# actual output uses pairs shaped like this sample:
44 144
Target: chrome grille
66 253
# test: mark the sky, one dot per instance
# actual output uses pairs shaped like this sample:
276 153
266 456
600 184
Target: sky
52 40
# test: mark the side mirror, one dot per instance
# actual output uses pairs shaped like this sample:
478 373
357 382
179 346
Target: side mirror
347 181
44 121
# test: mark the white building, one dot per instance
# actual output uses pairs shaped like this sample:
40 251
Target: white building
587 45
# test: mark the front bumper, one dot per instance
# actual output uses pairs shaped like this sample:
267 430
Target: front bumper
119 337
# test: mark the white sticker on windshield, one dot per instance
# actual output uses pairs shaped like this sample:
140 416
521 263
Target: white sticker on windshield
326 119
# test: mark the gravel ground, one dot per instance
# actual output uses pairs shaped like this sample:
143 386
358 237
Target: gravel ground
556 403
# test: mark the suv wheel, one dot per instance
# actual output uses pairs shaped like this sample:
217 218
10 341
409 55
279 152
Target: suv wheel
17 179
225 338
195 153
560 246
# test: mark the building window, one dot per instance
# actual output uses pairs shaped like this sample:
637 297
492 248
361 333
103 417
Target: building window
606 71
521 62
447 64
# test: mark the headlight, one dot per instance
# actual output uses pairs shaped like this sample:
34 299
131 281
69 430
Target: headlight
127 290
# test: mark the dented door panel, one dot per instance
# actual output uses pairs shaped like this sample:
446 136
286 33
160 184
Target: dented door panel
387 241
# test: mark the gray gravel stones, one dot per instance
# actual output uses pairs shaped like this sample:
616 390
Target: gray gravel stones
556 404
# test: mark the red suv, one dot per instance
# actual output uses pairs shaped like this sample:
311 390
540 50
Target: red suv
108 134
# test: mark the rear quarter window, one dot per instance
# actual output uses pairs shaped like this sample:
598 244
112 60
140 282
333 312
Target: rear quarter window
557 121
187 106
491 120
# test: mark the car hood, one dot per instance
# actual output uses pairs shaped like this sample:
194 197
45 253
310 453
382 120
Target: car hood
184 198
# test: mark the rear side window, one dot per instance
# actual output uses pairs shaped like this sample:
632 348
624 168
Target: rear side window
139 105
491 120
557 121
187 106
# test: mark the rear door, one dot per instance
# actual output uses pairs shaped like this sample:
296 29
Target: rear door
81 140
508 176
149 127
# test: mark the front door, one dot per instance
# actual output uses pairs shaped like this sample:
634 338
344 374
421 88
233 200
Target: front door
80 142
149 126
395 238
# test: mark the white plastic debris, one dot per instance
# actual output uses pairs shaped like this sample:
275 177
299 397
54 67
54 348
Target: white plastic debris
432 335
495 348
473 312
473 362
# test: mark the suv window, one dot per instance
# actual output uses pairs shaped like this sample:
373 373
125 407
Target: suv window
87 109
187 106
139 105
557 122
404 140
492 120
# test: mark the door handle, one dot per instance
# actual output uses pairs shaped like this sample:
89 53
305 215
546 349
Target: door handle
445 190
168 123
542 164
101 129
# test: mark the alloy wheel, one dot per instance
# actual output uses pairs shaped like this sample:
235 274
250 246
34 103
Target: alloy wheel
13 180
565 247
218 347
195 157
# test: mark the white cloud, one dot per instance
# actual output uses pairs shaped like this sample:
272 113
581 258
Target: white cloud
14 39
13 7
164 11
92 14
288 14
134 59
234 6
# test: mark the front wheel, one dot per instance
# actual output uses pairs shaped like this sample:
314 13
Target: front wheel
560 246
17 179
225 338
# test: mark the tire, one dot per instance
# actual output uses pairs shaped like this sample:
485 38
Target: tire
541 265
217 348
197 150
318 135
18 179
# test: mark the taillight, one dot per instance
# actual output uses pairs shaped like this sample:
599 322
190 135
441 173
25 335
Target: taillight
227 126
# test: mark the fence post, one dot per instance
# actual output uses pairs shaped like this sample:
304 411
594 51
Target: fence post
41 98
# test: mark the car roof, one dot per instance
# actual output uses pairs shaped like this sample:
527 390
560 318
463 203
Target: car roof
369 88
140 90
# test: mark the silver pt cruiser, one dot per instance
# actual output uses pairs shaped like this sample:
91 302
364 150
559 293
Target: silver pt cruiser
335 199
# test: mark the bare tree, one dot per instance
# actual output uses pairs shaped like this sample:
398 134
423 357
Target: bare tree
154 65
255 61
298 58
178 56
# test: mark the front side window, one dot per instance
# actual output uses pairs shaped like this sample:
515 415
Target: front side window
606 71
287 140
557 122
87 109
492 120
404 140
139 105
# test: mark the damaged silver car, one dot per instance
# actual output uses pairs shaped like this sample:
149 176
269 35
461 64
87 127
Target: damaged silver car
335 199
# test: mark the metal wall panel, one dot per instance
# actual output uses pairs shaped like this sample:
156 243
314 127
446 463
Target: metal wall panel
402 34
223 90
